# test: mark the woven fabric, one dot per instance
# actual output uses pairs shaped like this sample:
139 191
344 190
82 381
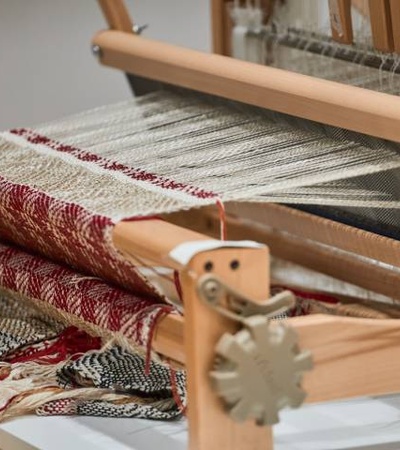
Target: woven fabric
49 369
88 299
123 372
21 325
64 232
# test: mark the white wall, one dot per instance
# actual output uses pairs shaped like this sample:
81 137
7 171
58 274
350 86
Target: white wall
46 68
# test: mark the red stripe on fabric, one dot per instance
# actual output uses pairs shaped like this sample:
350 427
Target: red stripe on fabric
178 285
308 295
136 174
71 343
90 299
65 233
175 393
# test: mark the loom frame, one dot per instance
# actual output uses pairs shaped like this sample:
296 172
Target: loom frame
363 355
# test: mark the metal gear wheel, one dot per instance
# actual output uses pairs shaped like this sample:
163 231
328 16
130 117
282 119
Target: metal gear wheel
259 369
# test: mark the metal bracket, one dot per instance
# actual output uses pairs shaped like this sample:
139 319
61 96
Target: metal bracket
258 370
237 306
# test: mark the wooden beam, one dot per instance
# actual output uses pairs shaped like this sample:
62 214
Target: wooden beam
116 15
328 232
320 100
381 25
218 24
152 240
352 357
278 229
210 427
194 339
395 17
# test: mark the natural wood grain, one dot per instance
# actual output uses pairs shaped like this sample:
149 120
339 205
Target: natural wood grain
319 229
168 338
324 101
117 15
210 428
289 235
381 25
352 357
341 22
395 18
218 21
151 240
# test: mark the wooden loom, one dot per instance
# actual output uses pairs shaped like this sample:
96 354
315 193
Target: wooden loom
352 357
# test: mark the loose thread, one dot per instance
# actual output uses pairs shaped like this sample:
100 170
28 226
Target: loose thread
178 285
175 392
222 220
160 314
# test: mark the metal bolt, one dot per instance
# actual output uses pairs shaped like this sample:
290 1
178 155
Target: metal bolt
96 50
138 29
211 289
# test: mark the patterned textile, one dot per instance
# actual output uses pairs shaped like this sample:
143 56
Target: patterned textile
125 373
50 369
64 232
64 185
84 300
21 324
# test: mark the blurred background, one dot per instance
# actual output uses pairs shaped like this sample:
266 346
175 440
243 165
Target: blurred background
46 67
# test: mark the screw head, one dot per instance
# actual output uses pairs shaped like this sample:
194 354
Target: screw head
96 50
212 290
138 29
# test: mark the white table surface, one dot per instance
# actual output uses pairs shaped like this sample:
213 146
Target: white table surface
364 424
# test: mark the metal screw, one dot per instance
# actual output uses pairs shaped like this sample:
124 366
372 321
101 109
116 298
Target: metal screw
96 50
211 289
138 29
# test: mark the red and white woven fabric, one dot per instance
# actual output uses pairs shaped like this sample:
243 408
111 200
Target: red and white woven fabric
88 299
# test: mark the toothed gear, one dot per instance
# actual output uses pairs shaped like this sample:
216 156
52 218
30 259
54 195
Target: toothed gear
258 371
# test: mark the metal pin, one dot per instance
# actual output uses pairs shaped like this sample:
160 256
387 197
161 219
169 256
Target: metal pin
96 50
138 29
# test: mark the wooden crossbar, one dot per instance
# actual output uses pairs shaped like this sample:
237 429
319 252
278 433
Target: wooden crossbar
299 95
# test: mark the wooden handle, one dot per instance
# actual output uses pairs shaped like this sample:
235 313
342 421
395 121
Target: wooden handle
341 23
311 98
117 15
381 25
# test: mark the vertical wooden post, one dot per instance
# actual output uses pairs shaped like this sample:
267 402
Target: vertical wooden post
381 25
395 16
219 27
210 427
341 22
117 15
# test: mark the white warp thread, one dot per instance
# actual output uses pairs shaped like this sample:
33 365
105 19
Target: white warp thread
239 153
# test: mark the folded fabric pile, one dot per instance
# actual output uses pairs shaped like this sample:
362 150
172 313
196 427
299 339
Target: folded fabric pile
51 369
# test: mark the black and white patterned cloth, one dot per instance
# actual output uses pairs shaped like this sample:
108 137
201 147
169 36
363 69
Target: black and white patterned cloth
157 394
